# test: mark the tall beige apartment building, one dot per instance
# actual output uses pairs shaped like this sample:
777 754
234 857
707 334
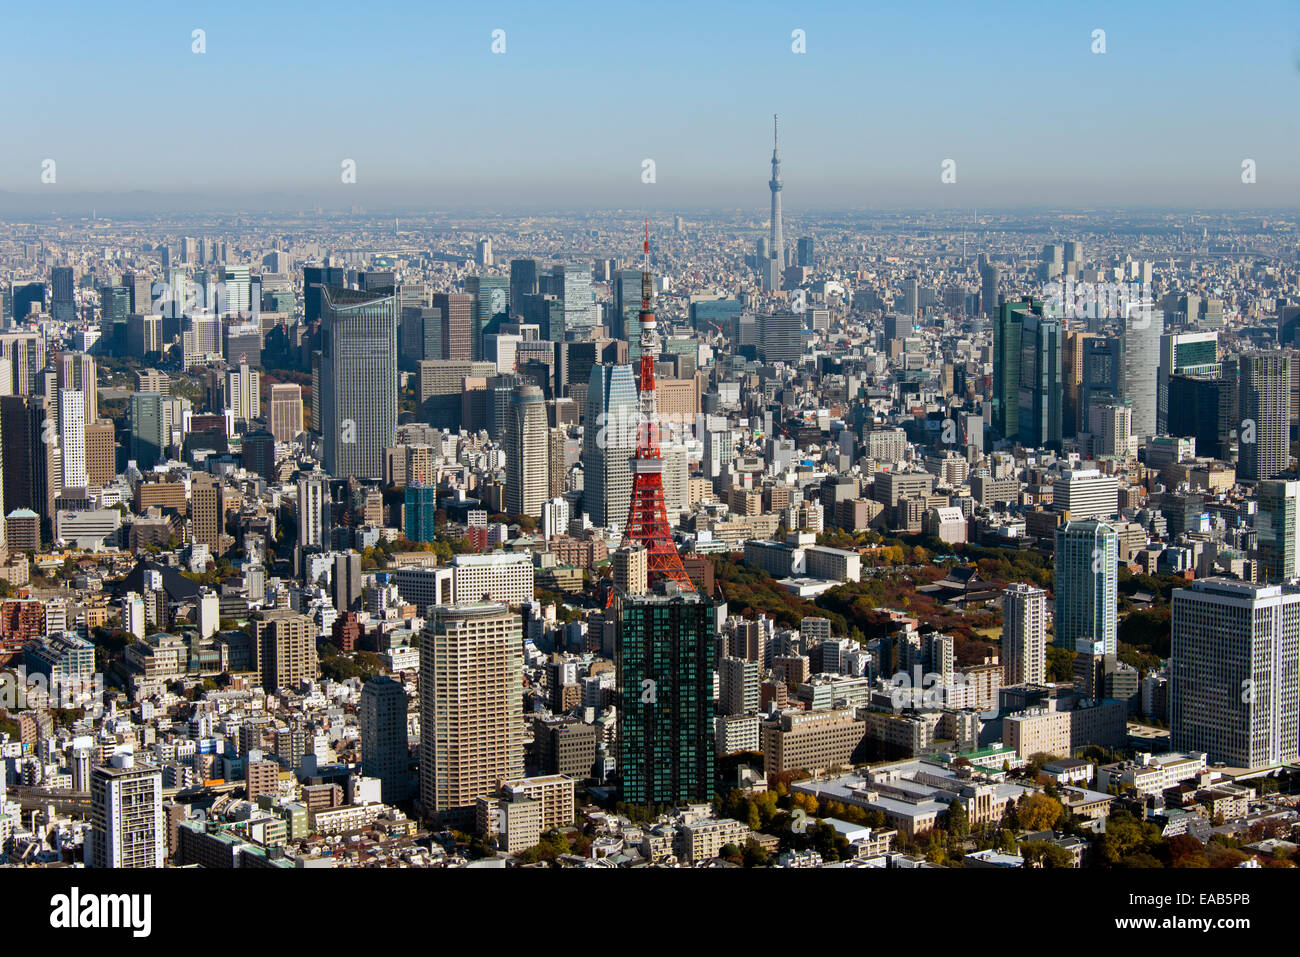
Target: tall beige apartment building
285 645
471 708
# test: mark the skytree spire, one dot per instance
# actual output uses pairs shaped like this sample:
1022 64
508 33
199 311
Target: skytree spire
777 242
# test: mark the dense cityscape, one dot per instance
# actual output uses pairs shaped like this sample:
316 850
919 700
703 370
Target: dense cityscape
786 535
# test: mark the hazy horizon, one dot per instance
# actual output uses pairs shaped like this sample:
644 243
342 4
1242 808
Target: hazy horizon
585 93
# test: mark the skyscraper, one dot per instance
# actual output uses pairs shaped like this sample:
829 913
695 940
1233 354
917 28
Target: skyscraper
1024 634
1143 327
575 284
385 747
490 296
609 444
527 471
666 654
1277 536
777 238
1183 353
63 302
420 511
285 412
523 282
1086 565
990 279
243 393
471 707
72 437
1264 407
127 828
457 310
358 381
1234 672
1038 422
1006 370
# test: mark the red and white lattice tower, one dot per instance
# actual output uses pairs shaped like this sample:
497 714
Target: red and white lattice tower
647 520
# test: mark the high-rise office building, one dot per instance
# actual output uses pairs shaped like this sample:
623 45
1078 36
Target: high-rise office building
523 282
1277 535
101 453
1024 634
285 413
358 381
1142 330
385 746
420 509
63 302
127 827
471 707
579 305
527 445
1183 353
1264 408
781 338
1234 672
1027 382
243 393
1102 379
609 444
807 257
990 279
457 311
666 655
1205 408
72 437
1007 326
1086 578
1039 419
490 298
314 280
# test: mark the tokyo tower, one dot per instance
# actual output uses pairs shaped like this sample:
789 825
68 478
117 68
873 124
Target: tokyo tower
647 520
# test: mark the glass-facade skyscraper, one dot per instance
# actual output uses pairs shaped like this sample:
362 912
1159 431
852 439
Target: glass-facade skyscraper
358 377
665 663
420 510
1086 580
609 444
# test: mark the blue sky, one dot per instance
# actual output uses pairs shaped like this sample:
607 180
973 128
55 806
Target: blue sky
586 91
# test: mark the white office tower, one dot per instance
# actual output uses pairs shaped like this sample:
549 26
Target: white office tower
1143 327
313 507
72 437
126 814
1024 634
719 445
1086 493
609 444
244 393
555 518
1234 672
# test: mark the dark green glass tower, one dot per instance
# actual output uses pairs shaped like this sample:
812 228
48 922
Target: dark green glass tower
665 662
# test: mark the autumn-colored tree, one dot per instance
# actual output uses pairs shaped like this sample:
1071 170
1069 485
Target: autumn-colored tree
1039 812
